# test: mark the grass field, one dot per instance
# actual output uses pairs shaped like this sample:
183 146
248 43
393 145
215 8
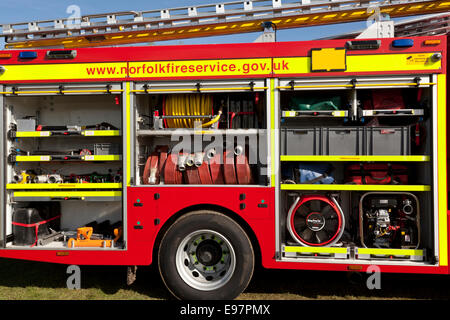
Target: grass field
23 280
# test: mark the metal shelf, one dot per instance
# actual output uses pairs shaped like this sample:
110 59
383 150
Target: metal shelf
354 187
292 251
170 132
44 186
295 251
357 158
47 134
314 114
392 112
379 253
67 195
47 158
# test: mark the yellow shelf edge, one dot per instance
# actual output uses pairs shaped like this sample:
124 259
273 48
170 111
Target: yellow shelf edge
86 133
83 158
357 158
101 133
102 158
37 186
314 249
33 158
293 114
25 194
393 252
353 187
33 134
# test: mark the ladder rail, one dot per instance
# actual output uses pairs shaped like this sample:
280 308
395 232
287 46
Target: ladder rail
434 25
438 24
164 15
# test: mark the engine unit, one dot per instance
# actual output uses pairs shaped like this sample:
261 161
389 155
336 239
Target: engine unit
389 220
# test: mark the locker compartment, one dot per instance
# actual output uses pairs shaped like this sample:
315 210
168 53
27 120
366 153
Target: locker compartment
306 108
354 174
210 133
364 226
358 179
215 110
43 224
394 106
65 152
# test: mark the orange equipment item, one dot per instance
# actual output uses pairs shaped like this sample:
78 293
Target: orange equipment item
84 239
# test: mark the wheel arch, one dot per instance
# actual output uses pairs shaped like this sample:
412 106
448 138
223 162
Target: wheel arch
233 215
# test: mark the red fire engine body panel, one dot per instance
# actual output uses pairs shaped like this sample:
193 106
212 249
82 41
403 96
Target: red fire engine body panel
160 204
213 51
219 52
151 209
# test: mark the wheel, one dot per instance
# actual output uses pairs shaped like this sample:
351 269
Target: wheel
206 255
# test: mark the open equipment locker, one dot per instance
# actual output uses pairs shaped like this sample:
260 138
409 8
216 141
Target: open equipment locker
352 250
67 127
153 128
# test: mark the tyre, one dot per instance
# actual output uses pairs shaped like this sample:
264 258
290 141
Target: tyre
206 255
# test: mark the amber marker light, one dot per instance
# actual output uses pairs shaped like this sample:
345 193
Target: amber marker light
434 42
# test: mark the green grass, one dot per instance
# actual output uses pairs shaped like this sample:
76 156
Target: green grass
25 280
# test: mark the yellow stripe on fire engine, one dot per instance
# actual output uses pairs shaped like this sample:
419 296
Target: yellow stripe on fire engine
128 125
195 68
392 62
363 63
159 69
205 68
442 171
272 132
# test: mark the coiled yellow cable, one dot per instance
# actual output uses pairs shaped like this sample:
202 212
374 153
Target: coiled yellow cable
188 105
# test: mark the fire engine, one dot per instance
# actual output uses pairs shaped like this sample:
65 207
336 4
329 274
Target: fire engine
208 160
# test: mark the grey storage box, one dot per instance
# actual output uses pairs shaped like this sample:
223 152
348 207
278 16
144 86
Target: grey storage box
301 141
388 141
26 125
347 141
342 141
106 149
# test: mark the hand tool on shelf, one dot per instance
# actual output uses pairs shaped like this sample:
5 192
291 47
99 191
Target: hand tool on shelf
84 240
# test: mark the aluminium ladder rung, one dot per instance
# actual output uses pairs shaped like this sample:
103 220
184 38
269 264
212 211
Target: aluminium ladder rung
427 26
436 24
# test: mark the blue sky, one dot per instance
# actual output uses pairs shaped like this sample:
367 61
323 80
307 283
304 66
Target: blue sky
32 10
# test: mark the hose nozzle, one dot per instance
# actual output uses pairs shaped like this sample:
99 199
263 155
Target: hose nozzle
211 153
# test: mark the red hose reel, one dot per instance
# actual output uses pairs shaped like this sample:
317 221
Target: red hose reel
315 220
